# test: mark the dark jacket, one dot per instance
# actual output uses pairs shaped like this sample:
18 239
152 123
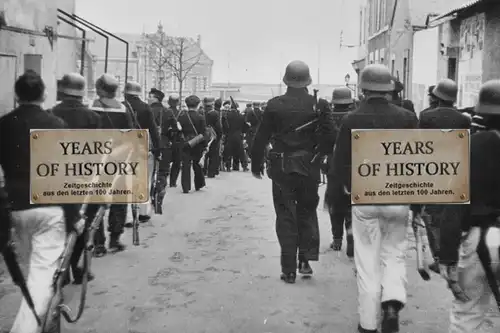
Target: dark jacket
253 117
212 120
15 154
283 115
165 120
444 118
372 113
76 115
144 118
193 123
235 123
484 205
113 114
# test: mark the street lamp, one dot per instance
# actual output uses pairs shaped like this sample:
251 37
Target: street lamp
347 79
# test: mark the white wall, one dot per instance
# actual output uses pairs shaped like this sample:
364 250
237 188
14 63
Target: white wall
425 65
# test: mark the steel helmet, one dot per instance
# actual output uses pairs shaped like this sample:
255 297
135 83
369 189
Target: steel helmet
446 90
297 75
107 83
132 88
489 98
72 84
376 77
342 95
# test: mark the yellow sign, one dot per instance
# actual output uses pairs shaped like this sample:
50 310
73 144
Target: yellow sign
410 166
89 166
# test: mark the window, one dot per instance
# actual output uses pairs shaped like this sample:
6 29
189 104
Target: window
33 62
393 63
365 26
174 83
405 78
361 27
205 83
377 16
383 10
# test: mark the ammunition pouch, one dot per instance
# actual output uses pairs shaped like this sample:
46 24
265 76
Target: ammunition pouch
196 140
297 162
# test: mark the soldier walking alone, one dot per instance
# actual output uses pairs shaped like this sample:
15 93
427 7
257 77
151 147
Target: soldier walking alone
213 121
379 231
294 174
177 141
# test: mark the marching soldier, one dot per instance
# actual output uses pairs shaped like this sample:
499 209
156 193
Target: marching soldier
233 150
379 231
193 128
77 116
342 104
224 127
470 234
213 120
144 118
253 117
444 116
43 227
177 141
167 123
433 101
113 115
294 171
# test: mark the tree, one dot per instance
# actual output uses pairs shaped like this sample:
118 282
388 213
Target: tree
172 57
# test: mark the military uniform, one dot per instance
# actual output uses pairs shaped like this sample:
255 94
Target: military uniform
193 124
144 118
212 118
253 117
234 153
470 234
224 127
342 104
444 116
379 231
113 115
167 123
295 177
177 142
43 227
76 116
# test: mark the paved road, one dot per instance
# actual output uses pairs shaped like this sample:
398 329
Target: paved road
211 265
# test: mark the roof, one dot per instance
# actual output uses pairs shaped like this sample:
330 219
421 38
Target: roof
420 9
117 48
463 4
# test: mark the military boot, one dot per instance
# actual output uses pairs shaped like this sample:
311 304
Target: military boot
288 277
350 246
304 267
336 245
159 204
390 318
114 243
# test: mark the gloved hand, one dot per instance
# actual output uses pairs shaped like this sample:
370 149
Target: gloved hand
450 274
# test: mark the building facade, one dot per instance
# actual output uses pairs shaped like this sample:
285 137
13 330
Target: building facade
468 50
141 67
32 37
388 31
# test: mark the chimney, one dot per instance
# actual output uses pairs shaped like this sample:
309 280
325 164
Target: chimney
198 40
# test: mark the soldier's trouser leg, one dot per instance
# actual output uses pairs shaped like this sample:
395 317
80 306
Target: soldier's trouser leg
307 220
286 226
199 178
161 180
242 156
176 164
337 218
432 219
116 219
213 158
379 254
467 317
186 172
44 231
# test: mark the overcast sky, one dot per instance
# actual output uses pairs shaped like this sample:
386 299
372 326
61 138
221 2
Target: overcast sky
249 41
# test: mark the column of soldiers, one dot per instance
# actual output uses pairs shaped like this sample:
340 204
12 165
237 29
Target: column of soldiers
178 141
